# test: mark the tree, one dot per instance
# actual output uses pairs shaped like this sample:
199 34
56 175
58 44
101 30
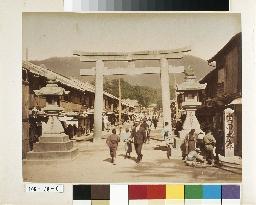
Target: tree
145 95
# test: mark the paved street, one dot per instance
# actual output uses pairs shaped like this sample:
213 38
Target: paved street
93 165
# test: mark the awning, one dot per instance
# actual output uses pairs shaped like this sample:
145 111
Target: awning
237 101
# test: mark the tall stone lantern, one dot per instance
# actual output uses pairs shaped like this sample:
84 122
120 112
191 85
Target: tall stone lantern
54 143
190 89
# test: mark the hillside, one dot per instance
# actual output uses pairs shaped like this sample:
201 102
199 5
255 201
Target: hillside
70 66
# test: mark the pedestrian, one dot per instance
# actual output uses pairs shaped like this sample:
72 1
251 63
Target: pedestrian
106 122
154 120
166 132
200 142
190 141
149 122
112 142
126 137
209 143
218 135
138 135
144 125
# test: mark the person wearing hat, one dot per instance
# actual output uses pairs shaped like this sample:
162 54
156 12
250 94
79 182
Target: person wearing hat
138 135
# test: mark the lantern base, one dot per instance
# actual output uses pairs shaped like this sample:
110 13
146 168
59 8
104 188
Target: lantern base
53 146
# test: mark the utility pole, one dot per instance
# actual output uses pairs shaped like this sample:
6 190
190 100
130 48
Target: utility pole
176 97
26 54
120 98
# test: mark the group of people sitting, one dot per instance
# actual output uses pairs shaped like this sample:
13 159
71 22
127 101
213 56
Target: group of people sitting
199 149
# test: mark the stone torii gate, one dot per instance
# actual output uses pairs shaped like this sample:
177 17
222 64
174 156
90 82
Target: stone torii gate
131 57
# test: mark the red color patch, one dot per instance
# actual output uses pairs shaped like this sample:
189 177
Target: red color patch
156 191
137 192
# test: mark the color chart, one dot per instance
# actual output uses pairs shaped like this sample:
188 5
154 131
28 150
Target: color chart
157 194
152 5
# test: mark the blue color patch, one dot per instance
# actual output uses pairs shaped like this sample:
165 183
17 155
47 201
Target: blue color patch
211 191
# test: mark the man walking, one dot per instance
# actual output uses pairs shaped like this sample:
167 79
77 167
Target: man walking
112 142
154 120
139 136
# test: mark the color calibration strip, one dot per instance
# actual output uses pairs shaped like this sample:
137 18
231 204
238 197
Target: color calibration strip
170 194
151 5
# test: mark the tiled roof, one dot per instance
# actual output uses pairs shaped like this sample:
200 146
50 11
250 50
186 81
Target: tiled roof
70 82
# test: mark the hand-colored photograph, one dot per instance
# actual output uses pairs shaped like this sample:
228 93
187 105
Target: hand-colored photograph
132 97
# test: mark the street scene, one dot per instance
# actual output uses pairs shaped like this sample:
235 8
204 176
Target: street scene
133 115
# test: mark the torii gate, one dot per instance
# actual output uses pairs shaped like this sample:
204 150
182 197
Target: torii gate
100 70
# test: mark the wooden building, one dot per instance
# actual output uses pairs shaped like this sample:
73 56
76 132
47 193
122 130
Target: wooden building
78 104
224 92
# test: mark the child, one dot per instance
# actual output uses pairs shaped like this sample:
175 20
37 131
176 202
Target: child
128 143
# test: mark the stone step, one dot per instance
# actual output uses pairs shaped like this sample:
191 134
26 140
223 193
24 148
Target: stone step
53 155
54 138
230 169
232 166
52 146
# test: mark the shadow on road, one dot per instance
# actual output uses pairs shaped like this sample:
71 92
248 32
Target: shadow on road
108 160
160 147
131 158
156 139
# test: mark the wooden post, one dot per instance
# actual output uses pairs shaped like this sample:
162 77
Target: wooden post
120 103
98 103
165 91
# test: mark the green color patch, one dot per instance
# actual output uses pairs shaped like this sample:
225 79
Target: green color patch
193 192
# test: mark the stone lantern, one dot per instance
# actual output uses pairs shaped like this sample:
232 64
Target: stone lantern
190 89
54 143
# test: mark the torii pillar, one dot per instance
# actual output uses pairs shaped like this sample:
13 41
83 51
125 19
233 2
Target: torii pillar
164 74
100 70
98 102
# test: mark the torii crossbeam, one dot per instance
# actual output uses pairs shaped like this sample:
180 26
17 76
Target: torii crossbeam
100 70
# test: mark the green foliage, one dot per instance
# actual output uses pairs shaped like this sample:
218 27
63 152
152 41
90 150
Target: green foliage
145 95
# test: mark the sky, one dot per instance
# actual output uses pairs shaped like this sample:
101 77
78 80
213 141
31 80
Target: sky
48 35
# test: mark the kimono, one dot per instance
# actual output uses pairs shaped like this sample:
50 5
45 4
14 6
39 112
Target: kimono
190 142
112 142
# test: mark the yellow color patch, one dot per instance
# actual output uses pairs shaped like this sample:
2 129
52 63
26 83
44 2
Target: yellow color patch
100 202
174 191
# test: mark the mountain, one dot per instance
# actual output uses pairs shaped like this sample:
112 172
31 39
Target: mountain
70 66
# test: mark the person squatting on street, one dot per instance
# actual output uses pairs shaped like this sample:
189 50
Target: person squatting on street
209 142
126 137
138 135
112 142
194 158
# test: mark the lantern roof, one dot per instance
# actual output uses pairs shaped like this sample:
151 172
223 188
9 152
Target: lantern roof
190 83
51 88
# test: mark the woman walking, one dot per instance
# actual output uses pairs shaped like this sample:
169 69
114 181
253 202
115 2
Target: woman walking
112 142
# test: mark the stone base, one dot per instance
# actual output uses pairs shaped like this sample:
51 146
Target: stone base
53 155
54 138
53 147
183 133
176 150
